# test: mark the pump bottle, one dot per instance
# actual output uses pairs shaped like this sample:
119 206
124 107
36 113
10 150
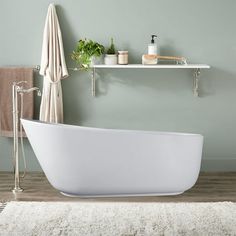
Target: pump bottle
152 47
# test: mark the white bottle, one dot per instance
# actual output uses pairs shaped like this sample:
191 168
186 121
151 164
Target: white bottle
152 47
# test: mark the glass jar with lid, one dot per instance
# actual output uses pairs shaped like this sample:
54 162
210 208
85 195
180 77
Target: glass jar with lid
123 57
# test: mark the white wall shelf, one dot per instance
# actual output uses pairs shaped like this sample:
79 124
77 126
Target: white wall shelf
195 67
160 66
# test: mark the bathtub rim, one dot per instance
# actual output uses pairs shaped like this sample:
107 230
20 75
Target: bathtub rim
113 130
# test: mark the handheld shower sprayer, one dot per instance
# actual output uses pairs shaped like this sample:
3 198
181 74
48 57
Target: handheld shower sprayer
18 88
22 90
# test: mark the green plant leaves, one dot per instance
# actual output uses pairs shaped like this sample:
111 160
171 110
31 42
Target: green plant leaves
85 49
111 49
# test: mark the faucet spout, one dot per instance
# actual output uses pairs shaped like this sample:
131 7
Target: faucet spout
22 90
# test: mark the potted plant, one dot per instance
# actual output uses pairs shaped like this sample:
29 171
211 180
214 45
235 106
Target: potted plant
111 57
87 53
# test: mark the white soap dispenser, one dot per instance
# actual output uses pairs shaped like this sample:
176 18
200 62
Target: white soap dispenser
152 47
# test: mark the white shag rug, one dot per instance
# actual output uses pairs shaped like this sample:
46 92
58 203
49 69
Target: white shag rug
117 218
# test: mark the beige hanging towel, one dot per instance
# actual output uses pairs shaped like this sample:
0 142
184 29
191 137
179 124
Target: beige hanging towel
9 75
53 68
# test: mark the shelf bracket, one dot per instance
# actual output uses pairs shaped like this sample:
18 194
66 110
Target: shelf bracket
93 82
196 74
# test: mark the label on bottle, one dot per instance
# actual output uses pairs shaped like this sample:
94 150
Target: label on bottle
152 49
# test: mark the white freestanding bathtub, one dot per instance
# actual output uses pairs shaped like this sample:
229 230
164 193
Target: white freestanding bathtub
94 162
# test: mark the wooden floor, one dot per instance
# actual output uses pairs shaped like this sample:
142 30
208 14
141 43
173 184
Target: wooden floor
210 187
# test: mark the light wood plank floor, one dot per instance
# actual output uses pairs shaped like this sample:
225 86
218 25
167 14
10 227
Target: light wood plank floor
210 187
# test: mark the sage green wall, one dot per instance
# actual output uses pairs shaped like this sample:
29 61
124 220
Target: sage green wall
203 31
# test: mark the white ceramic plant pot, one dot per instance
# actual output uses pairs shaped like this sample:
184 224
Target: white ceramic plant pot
110 59
96 61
